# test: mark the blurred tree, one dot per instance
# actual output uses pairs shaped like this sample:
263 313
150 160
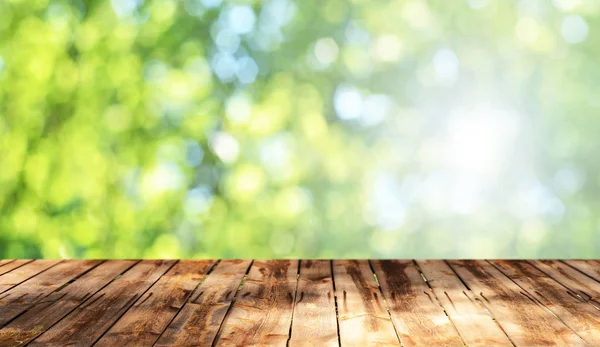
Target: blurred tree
280 128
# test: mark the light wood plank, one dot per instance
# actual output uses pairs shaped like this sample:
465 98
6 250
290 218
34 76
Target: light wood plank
20 298
314 319
199 320
525 322
362 315
5 261
418 318
576 313
588 267
474 323
144 322
81 302
57 305
13 265
89 321
23 273
577 282
262 312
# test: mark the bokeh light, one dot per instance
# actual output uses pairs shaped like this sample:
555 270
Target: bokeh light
282 128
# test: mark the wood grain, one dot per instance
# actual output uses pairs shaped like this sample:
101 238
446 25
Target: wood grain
262 313
18 299
575 312
11 265
526 322
89 321
23 273
314 321
418 318
300 303
472 320
579 283
149 316
588 267
57 305
362 315
199 320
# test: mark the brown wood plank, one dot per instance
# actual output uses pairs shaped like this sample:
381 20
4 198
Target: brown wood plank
18 299
54 307
89 321
5 261
262 313
199 320
474 323
525 322
144 322
588 267
362 315
13 265
314 322
576 313
23 273
577 282
418 318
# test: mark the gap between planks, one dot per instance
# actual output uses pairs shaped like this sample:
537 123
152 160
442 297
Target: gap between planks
133 302
233 301
187 300
534 296
84 301
466 285
481 303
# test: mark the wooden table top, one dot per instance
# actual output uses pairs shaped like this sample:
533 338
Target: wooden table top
299 303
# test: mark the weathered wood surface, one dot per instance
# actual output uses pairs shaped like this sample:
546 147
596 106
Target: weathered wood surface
314 322
415 311
262 314
299 303
474 323
22 273
526 322
10 265
150 315
362 315
86 324
61 302
575 279
576 313
199 321
18 299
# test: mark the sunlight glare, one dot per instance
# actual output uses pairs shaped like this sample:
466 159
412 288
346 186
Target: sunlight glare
477 141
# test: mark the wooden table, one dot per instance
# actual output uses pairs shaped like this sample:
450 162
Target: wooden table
299 303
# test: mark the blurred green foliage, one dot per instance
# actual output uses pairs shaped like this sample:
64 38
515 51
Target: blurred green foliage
280 128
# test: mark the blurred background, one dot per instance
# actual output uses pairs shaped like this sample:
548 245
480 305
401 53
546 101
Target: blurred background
281 128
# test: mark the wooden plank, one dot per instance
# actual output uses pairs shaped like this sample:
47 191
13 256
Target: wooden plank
418 318
588 267
20 298
525 322
13 265
144 322
89 321
57 305
262 313
5 261
472 320
575 312
576 281
362 315
23 273
199 320
314 322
